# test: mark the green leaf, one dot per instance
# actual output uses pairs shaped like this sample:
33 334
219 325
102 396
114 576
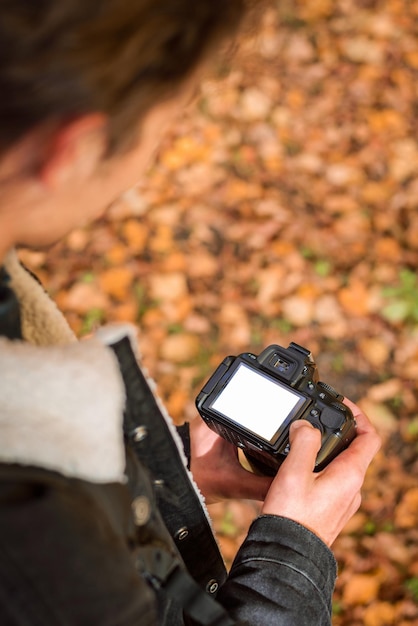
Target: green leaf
91 320
408 279
88 277
323 268
370 528
396 311
412 585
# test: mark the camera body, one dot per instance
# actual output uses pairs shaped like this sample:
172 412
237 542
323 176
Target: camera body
251 402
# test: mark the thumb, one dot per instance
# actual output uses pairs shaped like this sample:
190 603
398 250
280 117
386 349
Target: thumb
305 441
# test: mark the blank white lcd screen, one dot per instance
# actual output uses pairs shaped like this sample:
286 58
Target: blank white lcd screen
256 402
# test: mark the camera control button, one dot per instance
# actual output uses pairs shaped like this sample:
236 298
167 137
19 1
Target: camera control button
331 418
315 413
315 423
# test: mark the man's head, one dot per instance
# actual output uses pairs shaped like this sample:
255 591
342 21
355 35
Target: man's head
87 87
117 57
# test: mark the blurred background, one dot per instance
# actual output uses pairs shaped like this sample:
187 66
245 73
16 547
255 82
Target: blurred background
283 207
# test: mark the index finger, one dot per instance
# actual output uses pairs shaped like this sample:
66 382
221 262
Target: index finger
364 446
364 425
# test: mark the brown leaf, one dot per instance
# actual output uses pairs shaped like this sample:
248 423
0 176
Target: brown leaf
298 310
82 298
385 391
361 589
180 348
379 414
375 350
168 287
380 614
406 514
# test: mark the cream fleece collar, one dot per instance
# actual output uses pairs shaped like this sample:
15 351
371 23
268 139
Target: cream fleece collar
42 323
61 401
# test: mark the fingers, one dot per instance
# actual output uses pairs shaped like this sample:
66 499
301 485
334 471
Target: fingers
362 449
365 428
251 487
358 455
217 471
326 500
305 441
363 423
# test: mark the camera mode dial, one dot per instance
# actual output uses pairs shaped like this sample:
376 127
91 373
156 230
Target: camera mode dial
330 390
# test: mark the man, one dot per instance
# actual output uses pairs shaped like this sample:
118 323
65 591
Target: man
95 528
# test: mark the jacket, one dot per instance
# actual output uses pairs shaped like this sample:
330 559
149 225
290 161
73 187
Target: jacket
97 498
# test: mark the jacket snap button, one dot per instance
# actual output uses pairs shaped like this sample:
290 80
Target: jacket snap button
182 533
140 433
212 586
141 508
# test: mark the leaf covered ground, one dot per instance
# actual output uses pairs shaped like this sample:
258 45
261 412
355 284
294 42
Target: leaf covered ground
283 207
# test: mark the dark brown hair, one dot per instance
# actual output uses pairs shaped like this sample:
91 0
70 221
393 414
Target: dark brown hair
62 58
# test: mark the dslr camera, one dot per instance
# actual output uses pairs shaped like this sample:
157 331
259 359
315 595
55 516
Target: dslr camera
251 402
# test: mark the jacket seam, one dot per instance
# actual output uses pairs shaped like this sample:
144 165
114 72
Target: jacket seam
295 569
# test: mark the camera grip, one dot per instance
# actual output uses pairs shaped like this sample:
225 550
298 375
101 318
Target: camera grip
334 444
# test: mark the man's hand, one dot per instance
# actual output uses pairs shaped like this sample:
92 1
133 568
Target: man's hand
216 468
323 502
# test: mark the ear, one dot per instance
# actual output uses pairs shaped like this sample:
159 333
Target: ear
75 151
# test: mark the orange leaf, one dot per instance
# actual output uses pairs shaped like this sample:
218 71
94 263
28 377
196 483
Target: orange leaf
361 589
116 282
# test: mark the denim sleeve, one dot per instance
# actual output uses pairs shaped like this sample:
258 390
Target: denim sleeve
283 574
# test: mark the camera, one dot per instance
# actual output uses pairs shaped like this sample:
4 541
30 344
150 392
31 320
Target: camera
252 400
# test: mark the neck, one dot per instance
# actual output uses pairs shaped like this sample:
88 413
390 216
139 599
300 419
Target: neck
15 193
9 216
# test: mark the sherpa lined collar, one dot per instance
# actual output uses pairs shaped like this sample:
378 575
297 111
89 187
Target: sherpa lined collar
61 401
42 323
